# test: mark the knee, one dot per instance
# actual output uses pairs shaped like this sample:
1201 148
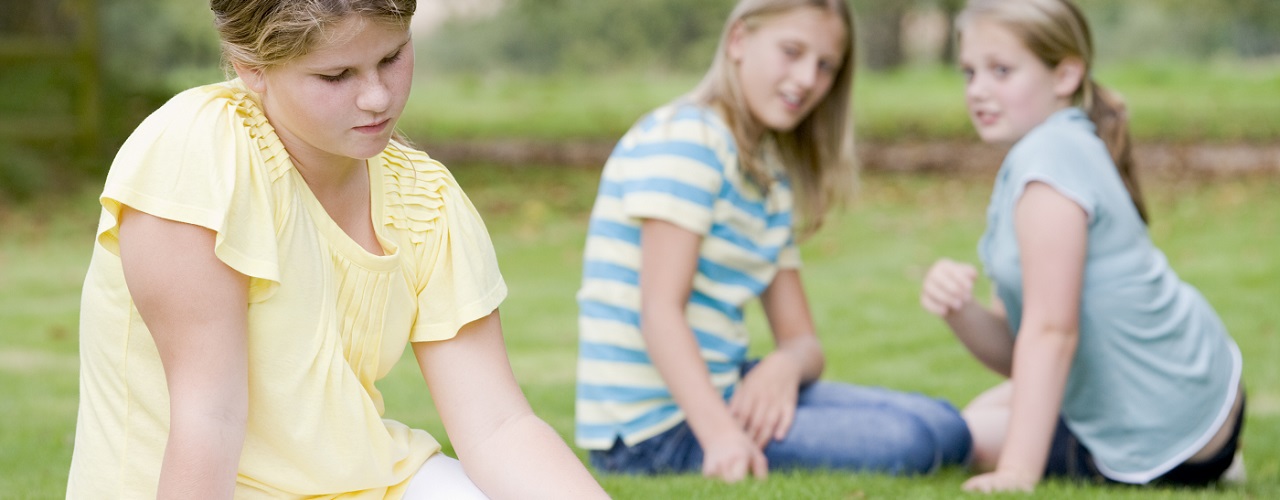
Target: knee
952 431
918 448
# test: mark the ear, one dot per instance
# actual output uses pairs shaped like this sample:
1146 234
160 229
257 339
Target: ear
737 42
252 77
1068 76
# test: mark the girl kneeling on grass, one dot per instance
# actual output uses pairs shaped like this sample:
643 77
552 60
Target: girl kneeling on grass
693 220
267 250
1120 371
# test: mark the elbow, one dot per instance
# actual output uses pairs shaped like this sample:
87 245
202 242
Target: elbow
1060 336
657 318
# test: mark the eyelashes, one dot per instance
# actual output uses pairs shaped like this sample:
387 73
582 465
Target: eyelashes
392 59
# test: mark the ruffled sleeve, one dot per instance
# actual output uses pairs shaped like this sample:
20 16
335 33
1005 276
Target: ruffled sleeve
458 280
207 158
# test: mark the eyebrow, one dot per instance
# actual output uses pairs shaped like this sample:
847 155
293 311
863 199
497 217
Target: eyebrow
329 69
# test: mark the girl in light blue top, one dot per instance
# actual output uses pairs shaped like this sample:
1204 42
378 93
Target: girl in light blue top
1120 371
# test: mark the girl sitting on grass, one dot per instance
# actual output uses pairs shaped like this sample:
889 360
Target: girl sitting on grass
266 251
1120 371
694 218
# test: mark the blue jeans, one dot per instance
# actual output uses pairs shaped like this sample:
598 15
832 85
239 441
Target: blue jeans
837 426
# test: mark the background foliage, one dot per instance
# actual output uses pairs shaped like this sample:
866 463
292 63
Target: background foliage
149 49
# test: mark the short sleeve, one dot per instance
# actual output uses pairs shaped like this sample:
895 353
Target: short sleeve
195 161
463 282
789 257
1060 159
672 168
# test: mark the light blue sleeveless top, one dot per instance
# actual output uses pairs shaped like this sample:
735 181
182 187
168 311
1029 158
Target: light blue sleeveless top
1155 372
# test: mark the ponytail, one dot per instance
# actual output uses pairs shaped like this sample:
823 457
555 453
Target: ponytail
1109 113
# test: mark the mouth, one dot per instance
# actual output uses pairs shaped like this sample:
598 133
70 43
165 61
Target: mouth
793 102
374 128
985 117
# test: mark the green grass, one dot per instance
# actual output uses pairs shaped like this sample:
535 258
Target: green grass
1173 102
862 275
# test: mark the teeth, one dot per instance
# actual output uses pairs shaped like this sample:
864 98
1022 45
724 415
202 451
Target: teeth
790 99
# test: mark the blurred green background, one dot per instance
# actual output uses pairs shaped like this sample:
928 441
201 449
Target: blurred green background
524 98
78 75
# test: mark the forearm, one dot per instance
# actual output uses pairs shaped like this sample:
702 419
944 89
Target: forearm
787 308
1042 361
805 353
675 354
202 455
985 334
525 458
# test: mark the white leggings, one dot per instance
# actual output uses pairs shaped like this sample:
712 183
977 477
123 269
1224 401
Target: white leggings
442 477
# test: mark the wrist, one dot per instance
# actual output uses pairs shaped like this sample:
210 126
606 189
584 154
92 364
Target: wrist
1019 471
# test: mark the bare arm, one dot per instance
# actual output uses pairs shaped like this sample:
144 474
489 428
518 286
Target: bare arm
507 450
196 309
948 293
669 259
765 403
1052 237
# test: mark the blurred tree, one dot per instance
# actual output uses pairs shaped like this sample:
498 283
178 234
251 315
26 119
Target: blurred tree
158 45
879 26
543 36
949 9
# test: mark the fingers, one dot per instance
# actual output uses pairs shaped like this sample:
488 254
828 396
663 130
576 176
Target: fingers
736 468
947 286
759 465
763 421
784 425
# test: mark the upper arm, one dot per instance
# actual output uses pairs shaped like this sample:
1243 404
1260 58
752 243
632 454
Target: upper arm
194 305
1052 233
471 381
668 264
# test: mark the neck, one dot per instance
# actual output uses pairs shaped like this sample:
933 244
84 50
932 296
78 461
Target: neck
325 178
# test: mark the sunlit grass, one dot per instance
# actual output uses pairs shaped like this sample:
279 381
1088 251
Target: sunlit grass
1225 102
862 274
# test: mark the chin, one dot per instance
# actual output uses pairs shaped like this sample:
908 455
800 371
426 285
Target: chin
371 151
994 137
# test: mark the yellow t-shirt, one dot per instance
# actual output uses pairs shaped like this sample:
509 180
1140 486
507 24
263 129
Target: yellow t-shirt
326 318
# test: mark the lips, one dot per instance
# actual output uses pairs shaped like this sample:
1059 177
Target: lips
374 128
792 102
984 117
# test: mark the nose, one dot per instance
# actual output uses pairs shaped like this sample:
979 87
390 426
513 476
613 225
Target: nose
374 96
806 75
976 88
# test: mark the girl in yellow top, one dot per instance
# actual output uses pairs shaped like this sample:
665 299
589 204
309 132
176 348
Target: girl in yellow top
266 251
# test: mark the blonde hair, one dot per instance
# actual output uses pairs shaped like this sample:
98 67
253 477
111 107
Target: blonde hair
818 153
263 33
1055 30
259 34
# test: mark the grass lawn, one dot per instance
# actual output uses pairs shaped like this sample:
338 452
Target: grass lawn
1168 102
862 276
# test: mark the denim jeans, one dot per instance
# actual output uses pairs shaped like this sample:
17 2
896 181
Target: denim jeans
837 426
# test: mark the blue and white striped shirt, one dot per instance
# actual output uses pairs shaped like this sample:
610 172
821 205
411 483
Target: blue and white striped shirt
678 164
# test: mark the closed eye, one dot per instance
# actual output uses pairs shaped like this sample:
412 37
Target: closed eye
391 59
336 78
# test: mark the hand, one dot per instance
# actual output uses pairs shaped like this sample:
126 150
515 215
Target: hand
948 286
998 481
765 402
731 455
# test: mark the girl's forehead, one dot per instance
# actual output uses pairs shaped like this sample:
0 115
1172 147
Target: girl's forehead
352 40
815 25
983 36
